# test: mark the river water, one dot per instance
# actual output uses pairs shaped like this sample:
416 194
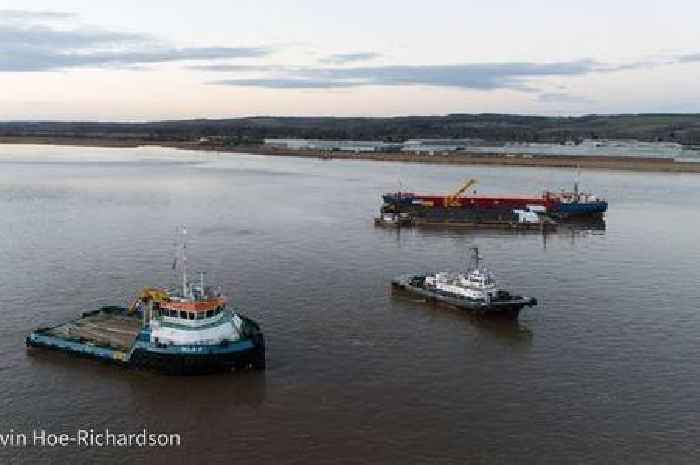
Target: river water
604 370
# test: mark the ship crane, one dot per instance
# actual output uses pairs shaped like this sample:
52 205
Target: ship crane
452 199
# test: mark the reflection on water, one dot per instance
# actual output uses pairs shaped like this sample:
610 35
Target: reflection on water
570 229
512 333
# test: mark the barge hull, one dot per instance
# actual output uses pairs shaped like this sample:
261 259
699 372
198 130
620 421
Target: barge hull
76 348
481 218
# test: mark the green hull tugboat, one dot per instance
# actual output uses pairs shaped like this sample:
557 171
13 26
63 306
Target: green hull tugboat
190 330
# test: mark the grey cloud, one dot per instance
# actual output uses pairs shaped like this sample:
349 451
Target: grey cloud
480 76
46 60
282 83
50 38
30 46
237 68
342 58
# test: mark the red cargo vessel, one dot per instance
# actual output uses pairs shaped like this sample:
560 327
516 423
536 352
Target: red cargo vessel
461 206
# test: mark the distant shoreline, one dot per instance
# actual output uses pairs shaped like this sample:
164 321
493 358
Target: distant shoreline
620 163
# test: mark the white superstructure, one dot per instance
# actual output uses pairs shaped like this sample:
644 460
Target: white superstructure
478 283
192 315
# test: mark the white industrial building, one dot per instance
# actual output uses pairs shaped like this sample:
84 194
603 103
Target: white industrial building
433 146
355 146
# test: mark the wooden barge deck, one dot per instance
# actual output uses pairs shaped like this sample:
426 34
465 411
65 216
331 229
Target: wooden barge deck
116 330
108 334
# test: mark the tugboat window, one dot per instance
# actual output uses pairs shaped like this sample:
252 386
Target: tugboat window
183 315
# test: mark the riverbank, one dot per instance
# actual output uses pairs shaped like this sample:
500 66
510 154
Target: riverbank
623 163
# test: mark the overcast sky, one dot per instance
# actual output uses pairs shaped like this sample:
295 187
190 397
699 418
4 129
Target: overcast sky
138 60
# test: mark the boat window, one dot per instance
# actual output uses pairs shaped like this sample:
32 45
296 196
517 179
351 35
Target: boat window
200 316
183 314
210 313
190 316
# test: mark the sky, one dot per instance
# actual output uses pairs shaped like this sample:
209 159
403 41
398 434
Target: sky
135 60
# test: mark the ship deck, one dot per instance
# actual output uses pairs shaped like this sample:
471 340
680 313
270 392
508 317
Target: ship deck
115 330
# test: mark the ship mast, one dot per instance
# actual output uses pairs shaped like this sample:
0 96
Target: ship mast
475 256
184 262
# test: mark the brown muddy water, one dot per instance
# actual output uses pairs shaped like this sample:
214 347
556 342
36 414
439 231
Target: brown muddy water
604 370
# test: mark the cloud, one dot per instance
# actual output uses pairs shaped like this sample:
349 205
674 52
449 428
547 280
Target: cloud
517 76
238 68
27 44
291 83
479 76
342 58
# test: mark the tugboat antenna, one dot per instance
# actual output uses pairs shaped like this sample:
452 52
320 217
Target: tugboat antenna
475 256
184 262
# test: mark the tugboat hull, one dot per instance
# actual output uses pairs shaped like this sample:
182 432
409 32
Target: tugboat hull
502 308
193 363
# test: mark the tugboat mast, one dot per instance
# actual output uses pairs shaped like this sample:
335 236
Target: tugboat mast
201 283
475 256
184 262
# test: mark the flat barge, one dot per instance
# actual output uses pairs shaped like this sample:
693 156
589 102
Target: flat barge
518 220
527 212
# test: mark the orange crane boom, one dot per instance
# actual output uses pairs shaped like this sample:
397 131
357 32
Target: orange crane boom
451 200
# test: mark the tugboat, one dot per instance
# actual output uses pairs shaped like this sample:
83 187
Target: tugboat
475 291
177 331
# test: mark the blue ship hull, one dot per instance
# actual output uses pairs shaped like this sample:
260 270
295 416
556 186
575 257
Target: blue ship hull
587 208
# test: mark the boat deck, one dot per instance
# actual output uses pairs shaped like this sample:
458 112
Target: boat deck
104 329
